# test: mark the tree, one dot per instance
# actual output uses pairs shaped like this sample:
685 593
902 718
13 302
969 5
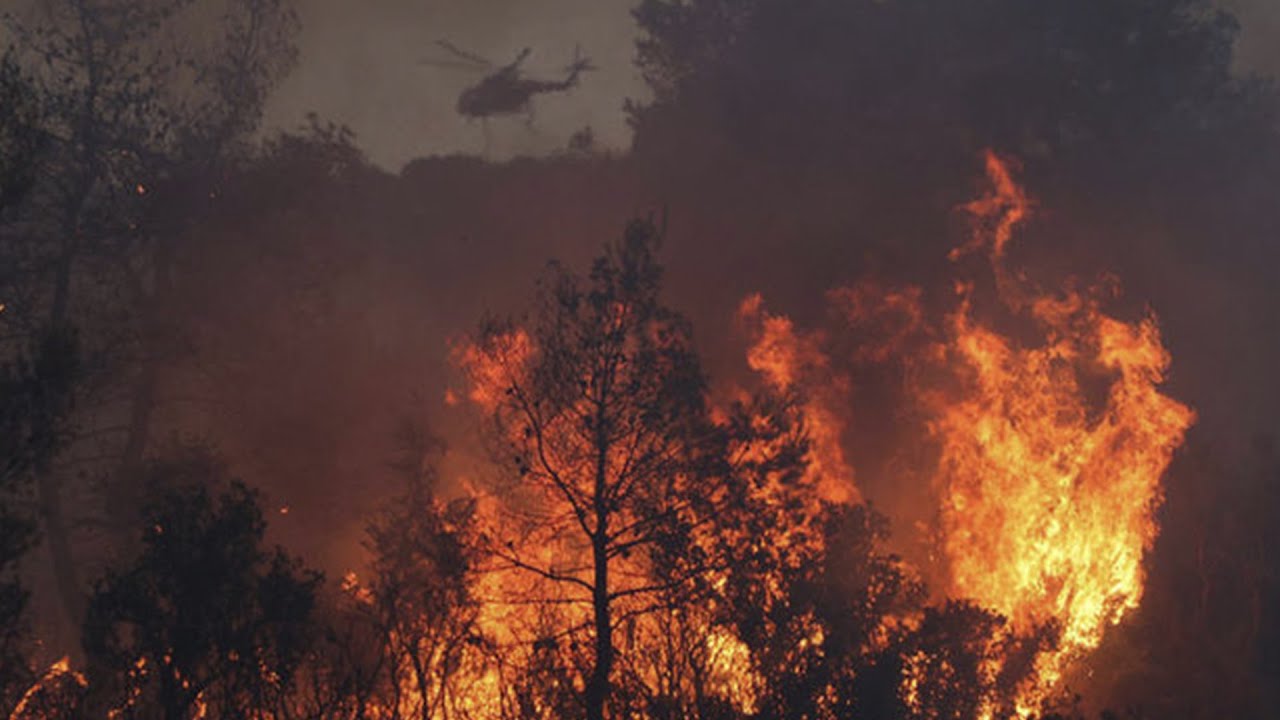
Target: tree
19 140
618 472
841 77
35 398
813 621
418 601
961 661
204 616
123 133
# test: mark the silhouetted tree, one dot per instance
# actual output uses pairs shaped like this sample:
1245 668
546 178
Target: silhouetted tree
418 598
621 475
205 616
129 130
20 140
35 398
812 619
936 83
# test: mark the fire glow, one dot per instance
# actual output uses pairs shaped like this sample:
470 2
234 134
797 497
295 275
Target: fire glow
1045 489
1071 489
1046 502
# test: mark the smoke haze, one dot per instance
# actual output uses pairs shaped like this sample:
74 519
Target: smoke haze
361 64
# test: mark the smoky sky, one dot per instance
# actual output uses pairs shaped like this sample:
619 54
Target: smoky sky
1260 25
361 64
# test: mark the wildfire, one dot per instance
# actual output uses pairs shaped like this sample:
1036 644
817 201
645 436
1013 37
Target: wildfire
789 361
1047 500
1046 495
1048 451
46 692
1046 488
492 368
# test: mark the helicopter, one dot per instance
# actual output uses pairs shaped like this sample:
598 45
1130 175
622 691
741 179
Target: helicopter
506 90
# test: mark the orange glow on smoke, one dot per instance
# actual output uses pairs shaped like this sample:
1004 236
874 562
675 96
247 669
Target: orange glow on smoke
490 369
998 212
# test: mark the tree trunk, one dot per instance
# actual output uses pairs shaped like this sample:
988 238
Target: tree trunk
598 685
57 534
123 503
48 488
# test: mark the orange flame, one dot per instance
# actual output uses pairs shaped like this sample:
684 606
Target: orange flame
45 690
791 361
1004 208
1047 499
1046 495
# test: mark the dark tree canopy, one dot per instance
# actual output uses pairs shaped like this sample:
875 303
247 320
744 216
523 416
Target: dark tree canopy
35 398
205 615
863 119
832 80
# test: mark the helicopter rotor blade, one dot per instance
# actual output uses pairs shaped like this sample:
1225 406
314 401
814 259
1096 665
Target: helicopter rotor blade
459 52
453 65
580 62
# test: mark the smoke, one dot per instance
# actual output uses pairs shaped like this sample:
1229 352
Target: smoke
362 65
1259 23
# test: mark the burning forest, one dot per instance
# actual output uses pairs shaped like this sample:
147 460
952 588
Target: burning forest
907 359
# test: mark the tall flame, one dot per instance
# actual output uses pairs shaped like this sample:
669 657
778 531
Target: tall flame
789 360
1046 487
1047 500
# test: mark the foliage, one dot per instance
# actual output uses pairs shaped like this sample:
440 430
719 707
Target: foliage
917 78
419 601
121 124
35 397
205 616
